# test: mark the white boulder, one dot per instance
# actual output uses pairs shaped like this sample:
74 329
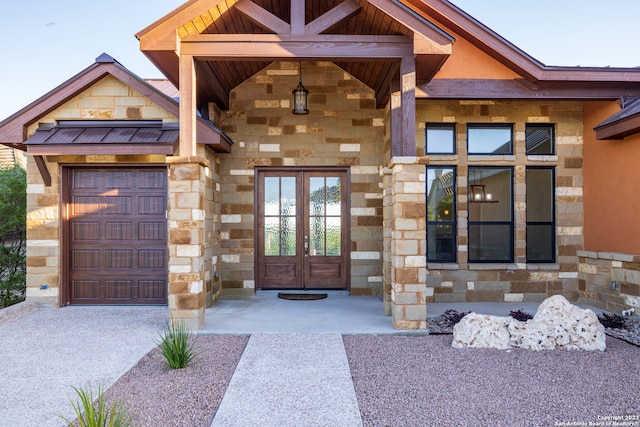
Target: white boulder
481 331
557 324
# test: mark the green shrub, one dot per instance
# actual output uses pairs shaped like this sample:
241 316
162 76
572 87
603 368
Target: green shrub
176 345
98 414
13 217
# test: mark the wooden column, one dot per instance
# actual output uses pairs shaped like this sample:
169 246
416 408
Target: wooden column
297 17
187 106
403 110
408 104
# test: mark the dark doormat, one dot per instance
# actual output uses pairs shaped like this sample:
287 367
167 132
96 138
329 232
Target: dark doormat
294 296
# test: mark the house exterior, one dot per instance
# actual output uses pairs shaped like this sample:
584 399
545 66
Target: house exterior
437 163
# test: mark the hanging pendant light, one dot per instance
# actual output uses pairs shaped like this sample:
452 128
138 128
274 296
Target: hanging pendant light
300 97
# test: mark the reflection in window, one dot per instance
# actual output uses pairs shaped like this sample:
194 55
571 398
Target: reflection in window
325 209
491 217
490 139
540 214
440 138
441 227
279 216
539 139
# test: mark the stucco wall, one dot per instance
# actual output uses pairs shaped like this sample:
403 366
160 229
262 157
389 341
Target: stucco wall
611 199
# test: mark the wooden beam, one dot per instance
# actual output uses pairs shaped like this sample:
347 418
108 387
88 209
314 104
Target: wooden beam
521 89
425 46
413 21
396 124
339 13
241 47
187 106
297 17
408 105
385 86
44 172
262 18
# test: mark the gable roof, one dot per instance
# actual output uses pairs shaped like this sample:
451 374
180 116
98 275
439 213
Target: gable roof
201 27
13 130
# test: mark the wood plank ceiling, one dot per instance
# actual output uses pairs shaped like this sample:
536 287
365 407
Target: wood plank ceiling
218 78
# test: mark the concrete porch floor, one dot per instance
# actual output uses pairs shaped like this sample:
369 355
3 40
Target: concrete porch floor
338 313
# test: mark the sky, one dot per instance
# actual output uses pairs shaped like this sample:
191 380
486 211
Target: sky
43 43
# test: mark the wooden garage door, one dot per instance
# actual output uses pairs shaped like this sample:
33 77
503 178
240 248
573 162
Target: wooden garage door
117 236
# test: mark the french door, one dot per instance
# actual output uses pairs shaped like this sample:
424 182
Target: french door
302 229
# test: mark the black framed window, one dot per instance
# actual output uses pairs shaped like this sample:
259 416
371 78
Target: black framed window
540 138
441 208
490 196
541 236
440 138
489 138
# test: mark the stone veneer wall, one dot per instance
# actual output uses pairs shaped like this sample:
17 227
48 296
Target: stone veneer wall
107 99
596 272
519 281
343 129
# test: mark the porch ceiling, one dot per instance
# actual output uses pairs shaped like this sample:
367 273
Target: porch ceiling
362 22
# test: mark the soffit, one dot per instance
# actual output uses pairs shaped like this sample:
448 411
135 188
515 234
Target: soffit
217 78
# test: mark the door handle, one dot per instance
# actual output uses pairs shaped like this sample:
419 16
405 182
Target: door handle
306 248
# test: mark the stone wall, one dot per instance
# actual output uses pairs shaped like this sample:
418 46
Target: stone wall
108 98
518 281
610 281
343 129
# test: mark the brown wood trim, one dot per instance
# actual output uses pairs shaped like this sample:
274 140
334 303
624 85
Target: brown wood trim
262 17
270 46
619 129
339 13
65 263
42 168
346 170
521 89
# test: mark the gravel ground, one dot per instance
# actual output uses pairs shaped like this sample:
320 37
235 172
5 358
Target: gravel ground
158 396
421 380
414 381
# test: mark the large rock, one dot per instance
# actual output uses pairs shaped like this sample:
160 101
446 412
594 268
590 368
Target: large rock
557 324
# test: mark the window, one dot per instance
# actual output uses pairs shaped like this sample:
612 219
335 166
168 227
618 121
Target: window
441 208
540 214
540 139
490 138
441 138
490 214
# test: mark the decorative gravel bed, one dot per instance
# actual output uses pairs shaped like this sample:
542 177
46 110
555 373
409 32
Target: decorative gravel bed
423 381
158 396
414 381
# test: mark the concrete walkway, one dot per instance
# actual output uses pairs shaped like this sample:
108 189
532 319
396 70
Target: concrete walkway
290 380
48 351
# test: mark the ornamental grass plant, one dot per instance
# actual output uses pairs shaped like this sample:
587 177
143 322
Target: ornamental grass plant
176 345
98 414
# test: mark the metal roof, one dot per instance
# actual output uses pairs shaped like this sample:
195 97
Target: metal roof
114 137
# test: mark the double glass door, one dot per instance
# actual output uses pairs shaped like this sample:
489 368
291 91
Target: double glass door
302 239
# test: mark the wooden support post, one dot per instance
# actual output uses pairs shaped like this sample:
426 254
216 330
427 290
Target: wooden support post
187 106
408 104
297 17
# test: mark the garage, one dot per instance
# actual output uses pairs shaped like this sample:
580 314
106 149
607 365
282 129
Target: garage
116 232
